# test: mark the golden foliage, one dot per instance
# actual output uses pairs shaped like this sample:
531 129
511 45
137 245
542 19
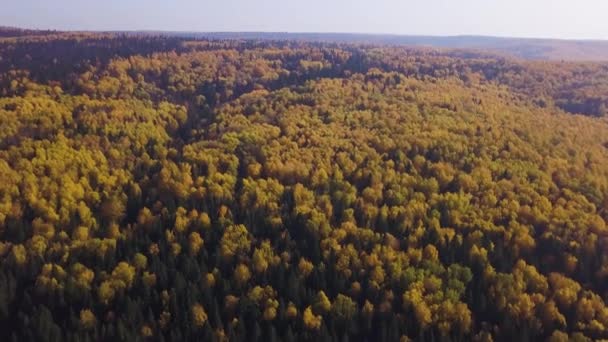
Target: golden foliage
199 316
87 319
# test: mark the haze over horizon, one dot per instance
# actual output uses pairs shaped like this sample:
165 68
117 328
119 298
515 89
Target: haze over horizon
542 19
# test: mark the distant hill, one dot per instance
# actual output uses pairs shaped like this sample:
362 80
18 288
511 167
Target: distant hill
7 31
526 48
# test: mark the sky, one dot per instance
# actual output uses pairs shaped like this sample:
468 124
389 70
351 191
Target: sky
580 19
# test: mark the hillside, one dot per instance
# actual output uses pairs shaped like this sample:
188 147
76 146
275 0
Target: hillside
525 48
165 188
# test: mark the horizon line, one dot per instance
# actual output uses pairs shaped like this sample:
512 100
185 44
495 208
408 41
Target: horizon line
378 34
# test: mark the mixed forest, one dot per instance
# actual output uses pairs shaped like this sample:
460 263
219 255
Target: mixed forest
159 188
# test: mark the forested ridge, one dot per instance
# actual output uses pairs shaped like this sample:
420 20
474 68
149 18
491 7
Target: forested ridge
160 188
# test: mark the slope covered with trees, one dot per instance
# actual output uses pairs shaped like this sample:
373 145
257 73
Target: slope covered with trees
156 188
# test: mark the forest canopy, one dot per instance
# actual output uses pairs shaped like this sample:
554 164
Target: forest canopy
166 188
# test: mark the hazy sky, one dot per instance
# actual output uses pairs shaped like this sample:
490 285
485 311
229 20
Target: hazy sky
522 18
